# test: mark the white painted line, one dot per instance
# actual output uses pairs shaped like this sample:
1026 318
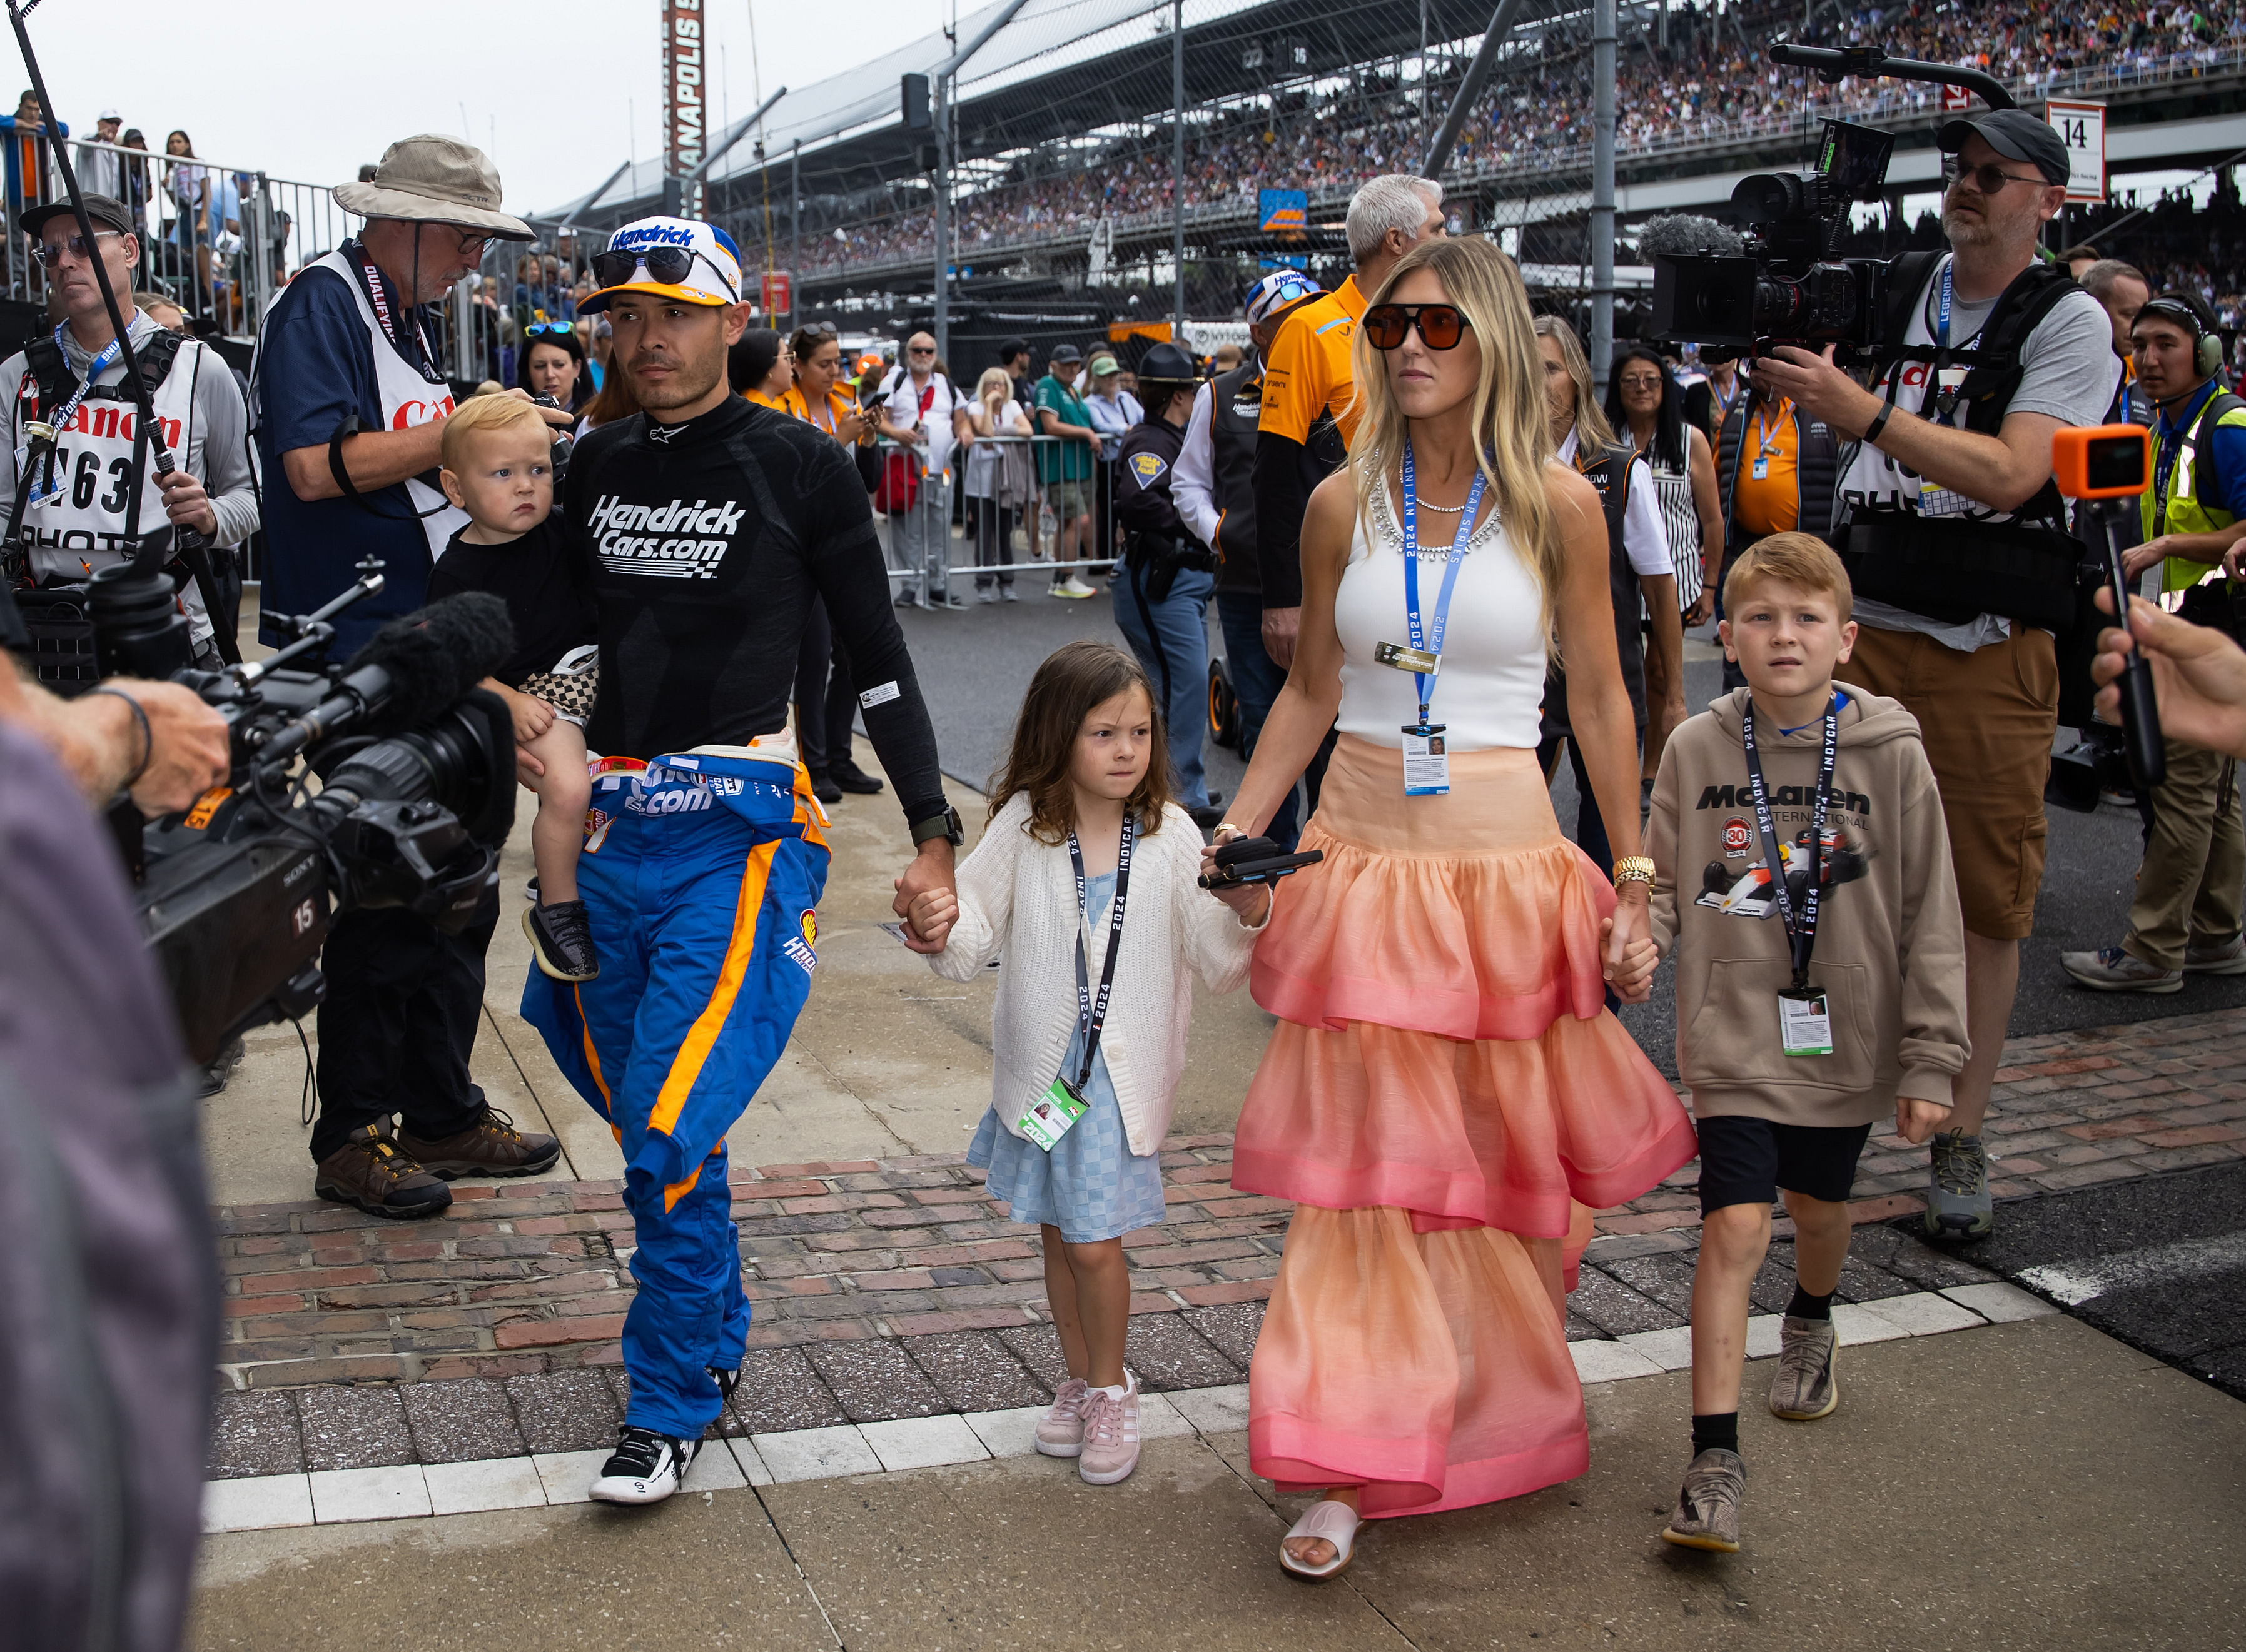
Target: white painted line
816 1453
2077 1282
344 1495
1214 1410
2000 1301
1608 1363
1671 1349
1009 1433
1925 1313
924 1442
496 1483
568 1476
1853 1324
257 1503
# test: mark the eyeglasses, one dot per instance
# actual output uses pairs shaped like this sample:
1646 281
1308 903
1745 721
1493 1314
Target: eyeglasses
555 328
1989 179
1641 381
920 350
668 266
51 252
1440 326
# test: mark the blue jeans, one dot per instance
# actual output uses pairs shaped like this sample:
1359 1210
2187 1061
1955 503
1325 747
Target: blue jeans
1257 681
1171 639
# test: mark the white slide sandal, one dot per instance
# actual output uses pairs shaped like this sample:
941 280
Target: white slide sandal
1336 1523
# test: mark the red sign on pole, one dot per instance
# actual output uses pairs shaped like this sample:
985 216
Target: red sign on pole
684 135
1955 99
777 293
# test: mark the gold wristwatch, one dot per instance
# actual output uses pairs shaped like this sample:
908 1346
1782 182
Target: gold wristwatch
1634 868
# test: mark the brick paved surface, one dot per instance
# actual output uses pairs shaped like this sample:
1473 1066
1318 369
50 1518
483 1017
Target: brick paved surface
896 1288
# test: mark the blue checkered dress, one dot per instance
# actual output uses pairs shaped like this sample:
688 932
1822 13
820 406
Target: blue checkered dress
1091 1186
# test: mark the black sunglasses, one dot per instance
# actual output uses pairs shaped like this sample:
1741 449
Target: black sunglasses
613 266
1440 326
1991 179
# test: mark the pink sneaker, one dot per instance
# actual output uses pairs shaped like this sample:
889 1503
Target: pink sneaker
1060 1430
1111 1435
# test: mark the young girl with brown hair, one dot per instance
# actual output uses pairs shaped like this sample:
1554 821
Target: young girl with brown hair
1086 884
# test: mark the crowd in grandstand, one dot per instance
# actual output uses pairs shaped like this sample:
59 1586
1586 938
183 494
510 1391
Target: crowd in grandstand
1712 83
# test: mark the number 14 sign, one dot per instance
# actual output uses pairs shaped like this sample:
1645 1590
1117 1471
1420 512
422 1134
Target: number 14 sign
2081 127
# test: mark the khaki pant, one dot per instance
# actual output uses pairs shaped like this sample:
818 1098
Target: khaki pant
2189 885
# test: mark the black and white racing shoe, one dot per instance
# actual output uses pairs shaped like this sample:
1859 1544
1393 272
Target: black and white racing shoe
645 1467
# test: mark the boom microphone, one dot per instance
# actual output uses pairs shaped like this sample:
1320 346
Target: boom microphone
1684 234
433 657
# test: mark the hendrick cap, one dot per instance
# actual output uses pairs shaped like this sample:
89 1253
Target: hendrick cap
2014 133
434 179
713 266
1280 289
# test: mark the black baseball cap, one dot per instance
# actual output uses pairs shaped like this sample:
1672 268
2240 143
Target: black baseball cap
1012 348
2014 133
1066 353
105 210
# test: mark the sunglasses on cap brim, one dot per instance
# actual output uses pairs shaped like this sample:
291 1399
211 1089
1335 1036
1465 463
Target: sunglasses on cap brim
1440 326
667 266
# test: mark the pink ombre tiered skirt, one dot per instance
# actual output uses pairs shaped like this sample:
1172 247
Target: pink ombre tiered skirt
1447 1100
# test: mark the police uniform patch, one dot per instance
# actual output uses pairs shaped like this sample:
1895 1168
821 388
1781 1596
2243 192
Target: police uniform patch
1148 468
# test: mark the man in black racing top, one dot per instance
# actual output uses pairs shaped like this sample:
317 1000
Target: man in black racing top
709 525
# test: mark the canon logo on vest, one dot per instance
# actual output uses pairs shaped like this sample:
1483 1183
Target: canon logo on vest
116 424
680 539
407 414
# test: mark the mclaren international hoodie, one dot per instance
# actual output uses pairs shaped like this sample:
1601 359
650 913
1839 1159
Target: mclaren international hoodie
1891 951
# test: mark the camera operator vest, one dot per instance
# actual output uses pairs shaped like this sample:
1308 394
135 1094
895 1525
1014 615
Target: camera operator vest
101 460
1925 548
1236 406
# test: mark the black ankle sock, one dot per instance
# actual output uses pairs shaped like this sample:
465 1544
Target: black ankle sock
1805 1306
1719 1431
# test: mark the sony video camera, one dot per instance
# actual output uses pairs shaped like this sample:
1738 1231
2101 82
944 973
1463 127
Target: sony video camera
388 781
1785 287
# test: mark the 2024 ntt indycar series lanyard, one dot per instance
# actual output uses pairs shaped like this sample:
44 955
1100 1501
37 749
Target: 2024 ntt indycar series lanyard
1804 1023
1046 1120
1426 763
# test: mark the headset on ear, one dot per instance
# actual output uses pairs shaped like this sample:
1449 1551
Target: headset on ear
2209 358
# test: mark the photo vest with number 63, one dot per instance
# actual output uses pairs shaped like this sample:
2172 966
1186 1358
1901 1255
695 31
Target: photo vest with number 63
90 525
1924 547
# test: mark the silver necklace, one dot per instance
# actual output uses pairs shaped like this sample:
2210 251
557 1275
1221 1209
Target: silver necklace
1444 510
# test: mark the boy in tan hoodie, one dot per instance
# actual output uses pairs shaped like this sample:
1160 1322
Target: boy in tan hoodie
1800 1022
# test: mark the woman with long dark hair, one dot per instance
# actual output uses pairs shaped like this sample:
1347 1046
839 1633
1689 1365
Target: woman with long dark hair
192 229
1647 411
553 363
1446 1097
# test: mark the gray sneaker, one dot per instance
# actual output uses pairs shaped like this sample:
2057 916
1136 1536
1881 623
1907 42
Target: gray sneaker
1957 1202
2223 958
1707 1514
2111 969
1804 1389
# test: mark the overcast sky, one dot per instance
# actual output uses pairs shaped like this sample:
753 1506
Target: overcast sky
557 93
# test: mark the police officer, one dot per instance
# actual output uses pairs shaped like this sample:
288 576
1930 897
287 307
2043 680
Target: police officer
1214 487
1161 602
2184 917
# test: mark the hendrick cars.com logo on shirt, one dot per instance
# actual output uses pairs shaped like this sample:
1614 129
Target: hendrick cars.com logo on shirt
677 541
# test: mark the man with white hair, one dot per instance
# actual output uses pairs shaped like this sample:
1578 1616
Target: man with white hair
1307 422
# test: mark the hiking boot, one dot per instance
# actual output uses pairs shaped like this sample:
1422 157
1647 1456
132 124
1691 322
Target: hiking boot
645 1467
1957 1202
1060 1430
562 940
1111 1435
851 778
369 1171
1707 1513
1804 1389
2218 958
2111 969
490 1146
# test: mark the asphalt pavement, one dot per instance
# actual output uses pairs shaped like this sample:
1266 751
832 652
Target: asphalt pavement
975 664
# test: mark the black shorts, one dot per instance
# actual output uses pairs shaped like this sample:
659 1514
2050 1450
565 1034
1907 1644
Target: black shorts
1746 1161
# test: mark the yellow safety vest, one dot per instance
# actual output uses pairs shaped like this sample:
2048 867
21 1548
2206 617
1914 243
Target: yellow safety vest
2185 513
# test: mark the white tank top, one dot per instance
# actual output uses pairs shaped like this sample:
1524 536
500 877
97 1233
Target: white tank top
1491 688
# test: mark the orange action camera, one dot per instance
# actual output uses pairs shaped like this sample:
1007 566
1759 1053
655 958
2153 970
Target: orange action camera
2104 461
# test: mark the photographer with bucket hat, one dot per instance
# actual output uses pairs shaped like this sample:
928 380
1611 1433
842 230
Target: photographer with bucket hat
351 398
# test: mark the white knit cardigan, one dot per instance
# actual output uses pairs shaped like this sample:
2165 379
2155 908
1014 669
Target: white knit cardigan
1018 897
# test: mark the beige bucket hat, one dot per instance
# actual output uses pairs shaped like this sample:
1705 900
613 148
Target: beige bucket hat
434 179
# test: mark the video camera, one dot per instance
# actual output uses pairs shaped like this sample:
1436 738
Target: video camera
1786 286
416 789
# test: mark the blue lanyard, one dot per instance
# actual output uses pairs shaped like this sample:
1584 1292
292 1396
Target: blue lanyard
110 352
2169 439
1431 638
1941 315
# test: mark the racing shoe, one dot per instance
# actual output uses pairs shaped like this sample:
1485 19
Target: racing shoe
369 1172
645 1467
1958 1204
2216 958
562 940
490 1146
2111 969
1707 1513
1804 1389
